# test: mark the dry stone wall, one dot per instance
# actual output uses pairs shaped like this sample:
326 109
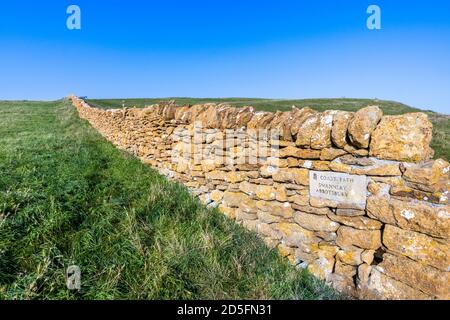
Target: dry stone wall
353 197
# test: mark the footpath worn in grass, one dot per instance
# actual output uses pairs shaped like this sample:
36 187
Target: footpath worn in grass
69 197
441 122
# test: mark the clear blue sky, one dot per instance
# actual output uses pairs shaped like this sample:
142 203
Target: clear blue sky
227 48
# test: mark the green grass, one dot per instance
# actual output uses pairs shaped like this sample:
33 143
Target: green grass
69 197
441 123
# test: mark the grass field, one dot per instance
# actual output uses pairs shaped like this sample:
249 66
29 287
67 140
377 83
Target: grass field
69 197
441 123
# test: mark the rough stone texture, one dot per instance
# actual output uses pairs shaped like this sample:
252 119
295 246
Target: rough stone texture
418 246
428 279
361 126
403 138
230 160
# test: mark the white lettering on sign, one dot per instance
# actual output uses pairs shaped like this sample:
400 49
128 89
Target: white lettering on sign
339 187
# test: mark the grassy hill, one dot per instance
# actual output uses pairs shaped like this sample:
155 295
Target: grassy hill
441 123
67 197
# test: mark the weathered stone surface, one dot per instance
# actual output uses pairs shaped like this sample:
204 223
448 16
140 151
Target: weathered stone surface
378 208
357 222
404 138
299 153
233 199
295 236
418 246
365 239
321 135
363 123
428 279
309 209
276 208
241 215
388 288
350 212
266 217
422 217
430 179
216 195
227 211
292 175
248 205
340 125
315 222
330 154
306 130
299 117
350 256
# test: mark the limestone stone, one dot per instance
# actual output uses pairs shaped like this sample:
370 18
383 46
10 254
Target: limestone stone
343 284
241 215
276 208
367 256
284 250
432 176
350 212
309 209
292 175
363 123
306 130
345 269
315 222
418 246
321 136
330 154
340 125
294 235
216 175
389 288
249 205
299 199
216 195
227 211
299 118
422 217
350 256
417 275
404 138
378 208
233 199
357 222
299 153
266 217
365 239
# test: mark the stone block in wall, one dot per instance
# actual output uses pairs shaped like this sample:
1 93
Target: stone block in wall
341 121
299 153
357 222
362 125
295 236
383 287
417 275
292 175
281 209
364 239
418 246
350 255
404 138
431 176
315 222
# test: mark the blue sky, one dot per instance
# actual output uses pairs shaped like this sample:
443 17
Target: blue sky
227 48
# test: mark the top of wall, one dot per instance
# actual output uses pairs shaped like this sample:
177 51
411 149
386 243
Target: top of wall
366 132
